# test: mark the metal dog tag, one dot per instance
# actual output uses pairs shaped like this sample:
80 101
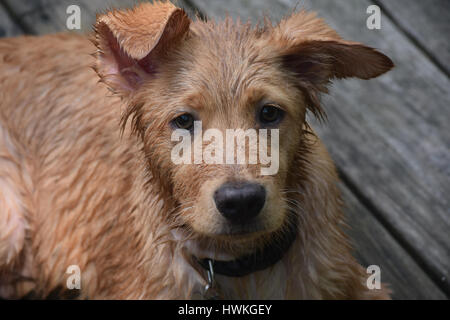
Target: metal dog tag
211 292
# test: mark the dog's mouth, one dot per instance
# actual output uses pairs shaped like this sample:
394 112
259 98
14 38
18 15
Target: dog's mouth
270 252
242 230
234 234
222 230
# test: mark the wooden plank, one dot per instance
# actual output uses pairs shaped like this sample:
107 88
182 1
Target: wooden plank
389 136
375 246
49 16
22 7
8 28
426 22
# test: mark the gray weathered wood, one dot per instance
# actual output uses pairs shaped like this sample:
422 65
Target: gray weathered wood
8 28
428 22
389 136
375 246
49 16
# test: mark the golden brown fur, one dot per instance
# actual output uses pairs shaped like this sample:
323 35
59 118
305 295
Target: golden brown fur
86 177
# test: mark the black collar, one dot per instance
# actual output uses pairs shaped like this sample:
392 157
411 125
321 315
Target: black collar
260 260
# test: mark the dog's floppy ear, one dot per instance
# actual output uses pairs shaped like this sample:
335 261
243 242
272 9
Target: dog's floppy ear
132 43
316 54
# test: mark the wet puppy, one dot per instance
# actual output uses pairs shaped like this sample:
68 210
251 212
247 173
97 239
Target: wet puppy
95 180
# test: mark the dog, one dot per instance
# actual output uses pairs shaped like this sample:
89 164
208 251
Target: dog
88 187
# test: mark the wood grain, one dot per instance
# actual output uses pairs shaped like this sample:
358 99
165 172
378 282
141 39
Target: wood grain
427 22
375 246
8 28
49 16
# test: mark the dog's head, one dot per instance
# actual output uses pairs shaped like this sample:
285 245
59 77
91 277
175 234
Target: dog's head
190 85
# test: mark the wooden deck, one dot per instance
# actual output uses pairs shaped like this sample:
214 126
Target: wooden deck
389 137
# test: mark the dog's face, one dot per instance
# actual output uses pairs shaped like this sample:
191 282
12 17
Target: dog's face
230 85
197 81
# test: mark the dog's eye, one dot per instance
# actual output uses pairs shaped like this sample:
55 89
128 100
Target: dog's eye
185 121
270 114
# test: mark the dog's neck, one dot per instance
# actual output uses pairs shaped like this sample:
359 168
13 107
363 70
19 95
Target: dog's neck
261 259
201 263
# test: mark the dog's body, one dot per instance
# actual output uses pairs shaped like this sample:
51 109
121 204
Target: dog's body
75 189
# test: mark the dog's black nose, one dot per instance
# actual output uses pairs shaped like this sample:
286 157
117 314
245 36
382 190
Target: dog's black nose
240 202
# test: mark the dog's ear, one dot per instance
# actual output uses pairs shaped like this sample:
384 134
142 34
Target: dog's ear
316 54
132 43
